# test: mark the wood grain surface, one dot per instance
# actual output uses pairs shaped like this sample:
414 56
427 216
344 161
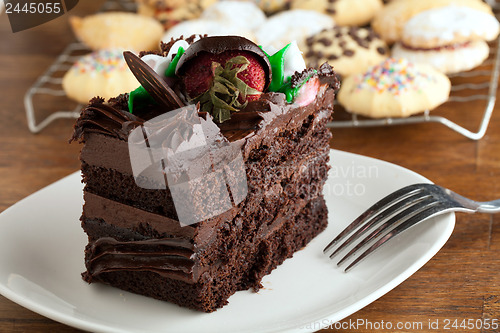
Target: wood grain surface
460 282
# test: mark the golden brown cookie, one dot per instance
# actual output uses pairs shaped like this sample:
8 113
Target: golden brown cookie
344 12
394 88
118 30
390 21
348 50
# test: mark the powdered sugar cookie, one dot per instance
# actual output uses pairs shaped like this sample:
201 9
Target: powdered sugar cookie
208 27
344 12
394 88
390 21
282 28
349 50
118 30
447 59
249 16
449 25
102 73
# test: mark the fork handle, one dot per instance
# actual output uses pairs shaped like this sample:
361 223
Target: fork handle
490 207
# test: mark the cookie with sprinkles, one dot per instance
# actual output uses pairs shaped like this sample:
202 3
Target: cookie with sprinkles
343 12
394 88
101 73
349 50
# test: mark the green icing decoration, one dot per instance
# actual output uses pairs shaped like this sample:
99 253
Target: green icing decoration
139 96
170 71
277 61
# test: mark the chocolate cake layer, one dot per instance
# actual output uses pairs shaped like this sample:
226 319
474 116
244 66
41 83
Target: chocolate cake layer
210 293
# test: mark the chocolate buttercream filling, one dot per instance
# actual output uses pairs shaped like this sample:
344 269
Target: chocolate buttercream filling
167 257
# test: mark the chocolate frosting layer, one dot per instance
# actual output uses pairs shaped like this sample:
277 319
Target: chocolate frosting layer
113 118
168 257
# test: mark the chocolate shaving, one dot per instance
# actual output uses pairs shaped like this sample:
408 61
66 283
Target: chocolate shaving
152 82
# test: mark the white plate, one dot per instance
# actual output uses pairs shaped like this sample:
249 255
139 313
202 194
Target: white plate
41 258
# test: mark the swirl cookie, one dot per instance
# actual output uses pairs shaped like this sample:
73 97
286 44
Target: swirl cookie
171 12
343 12
394 88
117 30
285 27
101 73
449 25
390 21
349 50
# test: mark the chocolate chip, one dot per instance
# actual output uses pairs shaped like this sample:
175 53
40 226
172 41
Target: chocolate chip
348 53
310 41
319 54
342 43
310 54
332 57
325 41
381 50
330 11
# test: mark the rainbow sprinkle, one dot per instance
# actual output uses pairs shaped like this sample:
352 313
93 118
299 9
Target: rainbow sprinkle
393 75
103 61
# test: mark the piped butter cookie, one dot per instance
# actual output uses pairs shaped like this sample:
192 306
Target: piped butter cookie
349 50
394 88
118 30
101 73
344 12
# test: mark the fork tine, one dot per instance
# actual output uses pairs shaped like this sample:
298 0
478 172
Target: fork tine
429 212
399 218
373 210
384 213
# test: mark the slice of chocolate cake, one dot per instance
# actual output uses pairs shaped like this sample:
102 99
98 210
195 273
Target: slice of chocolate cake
191 204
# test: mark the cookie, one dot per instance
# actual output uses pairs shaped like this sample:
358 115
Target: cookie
117 30
208 27
101 73
171 12
448 59
290 25
390 21
344 12
449 25
349 50
248 15
394 88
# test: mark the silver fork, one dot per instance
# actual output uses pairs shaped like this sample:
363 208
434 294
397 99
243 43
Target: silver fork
398 212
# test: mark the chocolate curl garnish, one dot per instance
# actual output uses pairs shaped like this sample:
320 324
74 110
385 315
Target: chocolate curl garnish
152 82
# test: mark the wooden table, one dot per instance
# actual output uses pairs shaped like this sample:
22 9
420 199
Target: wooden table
460 282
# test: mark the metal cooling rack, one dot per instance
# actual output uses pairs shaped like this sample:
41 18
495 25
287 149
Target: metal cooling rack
50 84
492 66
